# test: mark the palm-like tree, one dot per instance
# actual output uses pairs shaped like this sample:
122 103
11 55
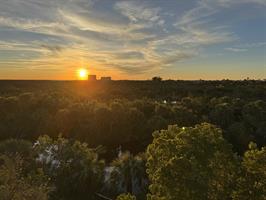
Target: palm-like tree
129 174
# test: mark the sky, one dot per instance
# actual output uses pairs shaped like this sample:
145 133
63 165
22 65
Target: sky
133 39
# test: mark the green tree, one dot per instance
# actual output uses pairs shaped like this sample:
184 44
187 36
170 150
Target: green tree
126 197
15 185
240 136
190 163
157 78
252 183
254 113
16 146
75 170
222 115
184 116
129 174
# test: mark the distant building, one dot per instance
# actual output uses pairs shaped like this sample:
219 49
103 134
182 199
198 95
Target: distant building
92 77
106 78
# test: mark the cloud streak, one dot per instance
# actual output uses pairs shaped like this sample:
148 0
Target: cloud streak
236 50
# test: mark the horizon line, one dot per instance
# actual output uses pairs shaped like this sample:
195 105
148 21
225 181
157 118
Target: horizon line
70 80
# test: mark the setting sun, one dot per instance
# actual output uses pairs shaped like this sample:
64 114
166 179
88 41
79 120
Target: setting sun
83 74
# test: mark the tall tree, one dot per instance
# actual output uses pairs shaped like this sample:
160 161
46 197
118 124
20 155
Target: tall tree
190 163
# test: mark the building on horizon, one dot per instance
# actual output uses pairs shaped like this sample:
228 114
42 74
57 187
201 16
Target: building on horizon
106 78
92 77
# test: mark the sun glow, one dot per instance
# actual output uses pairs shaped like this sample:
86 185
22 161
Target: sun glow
83 74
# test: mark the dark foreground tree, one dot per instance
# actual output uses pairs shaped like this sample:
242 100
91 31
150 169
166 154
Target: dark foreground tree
252 183
190 163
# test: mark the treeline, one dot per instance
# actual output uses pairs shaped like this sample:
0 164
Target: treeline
181 163
131 90
125 123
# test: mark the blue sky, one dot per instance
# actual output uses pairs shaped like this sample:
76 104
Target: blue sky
178 39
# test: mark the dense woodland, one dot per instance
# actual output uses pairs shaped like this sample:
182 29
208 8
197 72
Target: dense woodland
126 140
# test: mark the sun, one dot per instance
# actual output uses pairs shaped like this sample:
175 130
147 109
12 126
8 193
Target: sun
83 74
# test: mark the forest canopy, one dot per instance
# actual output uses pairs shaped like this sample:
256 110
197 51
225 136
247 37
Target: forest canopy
127 140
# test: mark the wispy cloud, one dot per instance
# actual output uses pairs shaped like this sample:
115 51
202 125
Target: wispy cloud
235 50
136 11
227 3
127 36
247 46
252 45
